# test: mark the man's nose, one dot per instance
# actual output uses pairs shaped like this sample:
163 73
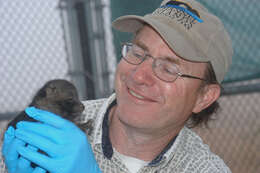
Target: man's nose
143 73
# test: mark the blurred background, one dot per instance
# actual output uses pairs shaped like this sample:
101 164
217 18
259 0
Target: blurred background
73 39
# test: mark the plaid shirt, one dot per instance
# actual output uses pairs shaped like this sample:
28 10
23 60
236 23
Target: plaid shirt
184 154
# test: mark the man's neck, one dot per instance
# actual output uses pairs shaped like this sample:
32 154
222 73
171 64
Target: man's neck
138 143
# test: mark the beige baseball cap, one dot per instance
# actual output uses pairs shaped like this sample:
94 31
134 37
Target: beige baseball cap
189 29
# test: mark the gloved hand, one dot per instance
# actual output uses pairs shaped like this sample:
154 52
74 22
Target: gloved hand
14 162
67 147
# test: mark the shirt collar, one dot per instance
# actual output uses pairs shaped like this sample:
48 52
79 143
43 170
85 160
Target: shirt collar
106 143
98 128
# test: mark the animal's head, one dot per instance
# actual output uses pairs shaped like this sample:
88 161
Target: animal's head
60 97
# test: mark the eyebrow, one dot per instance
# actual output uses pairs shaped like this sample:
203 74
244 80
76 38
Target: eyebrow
168 58
140 44
172 60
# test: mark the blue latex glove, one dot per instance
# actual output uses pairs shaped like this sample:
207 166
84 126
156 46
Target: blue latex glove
66 145
14 162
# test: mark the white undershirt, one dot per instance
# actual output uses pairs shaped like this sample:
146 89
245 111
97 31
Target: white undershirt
133 164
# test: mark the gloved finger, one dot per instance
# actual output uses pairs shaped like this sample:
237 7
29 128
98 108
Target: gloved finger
38 141
8 138
11 158
11 170
24 163
39 170
41 129
47 117
12 153
38 158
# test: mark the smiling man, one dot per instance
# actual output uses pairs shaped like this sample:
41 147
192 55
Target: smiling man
167 80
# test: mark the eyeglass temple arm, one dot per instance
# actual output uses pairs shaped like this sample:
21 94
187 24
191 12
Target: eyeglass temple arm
194 77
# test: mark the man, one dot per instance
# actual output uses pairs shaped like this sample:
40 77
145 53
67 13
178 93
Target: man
168 76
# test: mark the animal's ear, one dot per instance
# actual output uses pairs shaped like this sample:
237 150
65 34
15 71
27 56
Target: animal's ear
50 91
41 93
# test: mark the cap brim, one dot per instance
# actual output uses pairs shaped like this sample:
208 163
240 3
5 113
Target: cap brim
175 38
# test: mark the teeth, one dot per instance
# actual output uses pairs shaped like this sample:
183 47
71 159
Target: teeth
136 95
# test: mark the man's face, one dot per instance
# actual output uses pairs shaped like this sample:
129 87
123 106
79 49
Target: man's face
148 103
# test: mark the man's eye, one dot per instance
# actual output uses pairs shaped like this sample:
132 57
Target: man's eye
139 56
169 70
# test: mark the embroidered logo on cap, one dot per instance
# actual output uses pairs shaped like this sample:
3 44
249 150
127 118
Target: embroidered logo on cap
180 11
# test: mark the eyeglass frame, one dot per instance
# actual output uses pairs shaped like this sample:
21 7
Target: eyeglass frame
178 73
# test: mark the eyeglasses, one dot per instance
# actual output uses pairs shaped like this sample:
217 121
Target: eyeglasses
163 68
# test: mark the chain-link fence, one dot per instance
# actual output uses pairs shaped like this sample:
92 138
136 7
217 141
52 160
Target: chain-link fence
32 50
235 133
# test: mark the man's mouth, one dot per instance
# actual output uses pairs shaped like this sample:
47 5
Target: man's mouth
136 95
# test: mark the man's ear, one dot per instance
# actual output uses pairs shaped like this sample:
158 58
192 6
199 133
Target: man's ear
208 94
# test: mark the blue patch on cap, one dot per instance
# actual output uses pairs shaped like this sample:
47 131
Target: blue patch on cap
184 10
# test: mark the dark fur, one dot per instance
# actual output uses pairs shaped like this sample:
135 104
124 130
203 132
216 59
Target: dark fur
59 97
